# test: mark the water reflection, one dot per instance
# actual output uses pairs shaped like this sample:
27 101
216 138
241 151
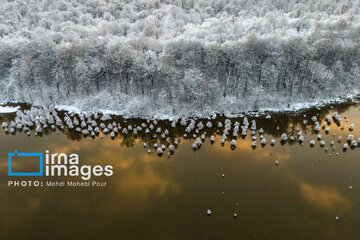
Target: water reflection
324 198
152 197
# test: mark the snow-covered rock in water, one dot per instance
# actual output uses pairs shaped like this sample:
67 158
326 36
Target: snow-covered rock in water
105 117
273 142
183 122
354 143
337 117
351 127
4 125
209 124
212 138
328 118
38 129
163 147
301 138
160 151
263 141
346 146
236 124
112 134
219 125
312 143
319 136
188 129
245 122
171 148
253 125
284 137
327 129
233 143
197 143
253 143
317 128
261 131
200 125
322 143
93 123
350 137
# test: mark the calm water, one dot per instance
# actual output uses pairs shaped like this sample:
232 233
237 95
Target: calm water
152 197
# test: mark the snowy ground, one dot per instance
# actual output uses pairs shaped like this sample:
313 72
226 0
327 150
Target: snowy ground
8 109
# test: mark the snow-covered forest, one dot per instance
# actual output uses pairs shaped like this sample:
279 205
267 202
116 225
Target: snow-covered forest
152 58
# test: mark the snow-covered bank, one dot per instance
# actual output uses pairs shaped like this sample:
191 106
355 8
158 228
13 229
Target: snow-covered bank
7 109
161 114
163 59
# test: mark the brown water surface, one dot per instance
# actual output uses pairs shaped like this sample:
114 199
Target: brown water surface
161 197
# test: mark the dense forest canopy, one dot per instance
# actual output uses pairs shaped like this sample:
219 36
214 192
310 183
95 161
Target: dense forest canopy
147 58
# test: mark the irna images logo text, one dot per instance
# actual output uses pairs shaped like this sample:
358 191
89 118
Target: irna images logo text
54 164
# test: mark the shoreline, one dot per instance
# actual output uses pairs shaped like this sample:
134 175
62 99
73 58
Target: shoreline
12 107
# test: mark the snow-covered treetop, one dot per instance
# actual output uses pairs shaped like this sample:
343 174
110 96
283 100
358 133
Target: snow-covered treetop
212 21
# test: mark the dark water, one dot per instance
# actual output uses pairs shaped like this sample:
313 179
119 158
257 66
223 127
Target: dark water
152 197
